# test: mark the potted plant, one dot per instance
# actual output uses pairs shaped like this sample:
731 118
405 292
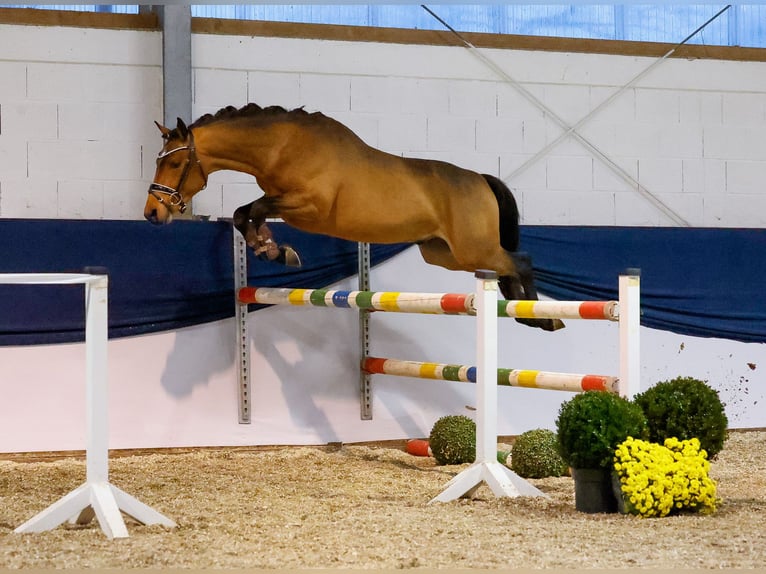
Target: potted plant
589 428
653 479
685 408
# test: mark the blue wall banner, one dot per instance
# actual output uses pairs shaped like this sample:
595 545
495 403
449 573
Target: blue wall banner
704 282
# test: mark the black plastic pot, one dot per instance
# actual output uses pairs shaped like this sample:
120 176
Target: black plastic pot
593 490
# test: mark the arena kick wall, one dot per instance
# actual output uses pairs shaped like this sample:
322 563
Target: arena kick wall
77 140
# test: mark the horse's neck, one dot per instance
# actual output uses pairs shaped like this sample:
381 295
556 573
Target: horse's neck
237 148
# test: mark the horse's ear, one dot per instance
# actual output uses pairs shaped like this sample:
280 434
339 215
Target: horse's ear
165 131
182 129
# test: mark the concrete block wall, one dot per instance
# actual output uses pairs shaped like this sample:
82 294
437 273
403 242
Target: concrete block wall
77 138
76 111
688 132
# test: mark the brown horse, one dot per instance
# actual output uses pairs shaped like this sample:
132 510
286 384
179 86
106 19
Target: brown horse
318 176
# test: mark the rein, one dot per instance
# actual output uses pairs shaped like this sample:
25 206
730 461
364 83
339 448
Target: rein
172 196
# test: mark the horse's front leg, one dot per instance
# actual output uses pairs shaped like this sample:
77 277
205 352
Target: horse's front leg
250 221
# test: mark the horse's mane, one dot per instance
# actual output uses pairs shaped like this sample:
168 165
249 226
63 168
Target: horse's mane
250 110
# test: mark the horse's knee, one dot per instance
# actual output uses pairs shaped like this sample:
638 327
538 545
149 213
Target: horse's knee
241 214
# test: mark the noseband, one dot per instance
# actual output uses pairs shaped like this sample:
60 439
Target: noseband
171 196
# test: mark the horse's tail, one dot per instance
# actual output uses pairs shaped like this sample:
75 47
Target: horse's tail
523 285
509 213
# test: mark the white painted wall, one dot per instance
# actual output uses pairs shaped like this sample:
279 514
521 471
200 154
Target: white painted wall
689 132
77 141
76 111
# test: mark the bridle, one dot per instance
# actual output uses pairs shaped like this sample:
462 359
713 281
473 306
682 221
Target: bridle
171 196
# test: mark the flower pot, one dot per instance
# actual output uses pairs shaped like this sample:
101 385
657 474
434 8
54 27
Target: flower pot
593 490
623 506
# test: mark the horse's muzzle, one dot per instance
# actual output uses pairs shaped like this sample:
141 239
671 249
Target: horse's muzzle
153 219
153 216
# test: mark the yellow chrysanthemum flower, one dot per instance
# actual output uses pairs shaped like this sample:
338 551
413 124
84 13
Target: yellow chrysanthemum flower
656 480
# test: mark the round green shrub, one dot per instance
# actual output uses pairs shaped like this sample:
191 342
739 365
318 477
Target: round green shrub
535 455
685 408
453 440
591 425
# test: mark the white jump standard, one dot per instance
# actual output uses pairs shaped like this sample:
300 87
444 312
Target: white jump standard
486 469
96 497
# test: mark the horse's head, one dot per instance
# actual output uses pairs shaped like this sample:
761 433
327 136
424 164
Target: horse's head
178 177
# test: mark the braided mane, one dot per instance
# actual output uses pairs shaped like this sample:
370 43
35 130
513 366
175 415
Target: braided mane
248 111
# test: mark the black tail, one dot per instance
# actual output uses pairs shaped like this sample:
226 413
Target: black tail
522 286
509 213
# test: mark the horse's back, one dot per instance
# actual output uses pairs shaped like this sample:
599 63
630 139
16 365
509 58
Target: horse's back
330 136
362 193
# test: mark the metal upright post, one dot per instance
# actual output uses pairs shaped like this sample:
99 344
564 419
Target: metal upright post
365 391
240 314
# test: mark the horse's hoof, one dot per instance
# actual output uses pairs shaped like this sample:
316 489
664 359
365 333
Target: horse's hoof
544 324
292 259
556 324
268 251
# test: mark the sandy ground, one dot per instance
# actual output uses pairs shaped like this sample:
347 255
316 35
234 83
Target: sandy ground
367 507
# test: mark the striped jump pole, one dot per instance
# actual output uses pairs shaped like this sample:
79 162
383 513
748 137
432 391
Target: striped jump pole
427 303
626 311
393 301
505 377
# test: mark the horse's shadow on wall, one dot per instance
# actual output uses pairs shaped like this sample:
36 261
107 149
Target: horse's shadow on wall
311 361
315 361
198 354
305 365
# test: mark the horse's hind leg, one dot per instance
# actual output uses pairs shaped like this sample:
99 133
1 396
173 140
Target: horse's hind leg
522 287
436 252
250 221
515 278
